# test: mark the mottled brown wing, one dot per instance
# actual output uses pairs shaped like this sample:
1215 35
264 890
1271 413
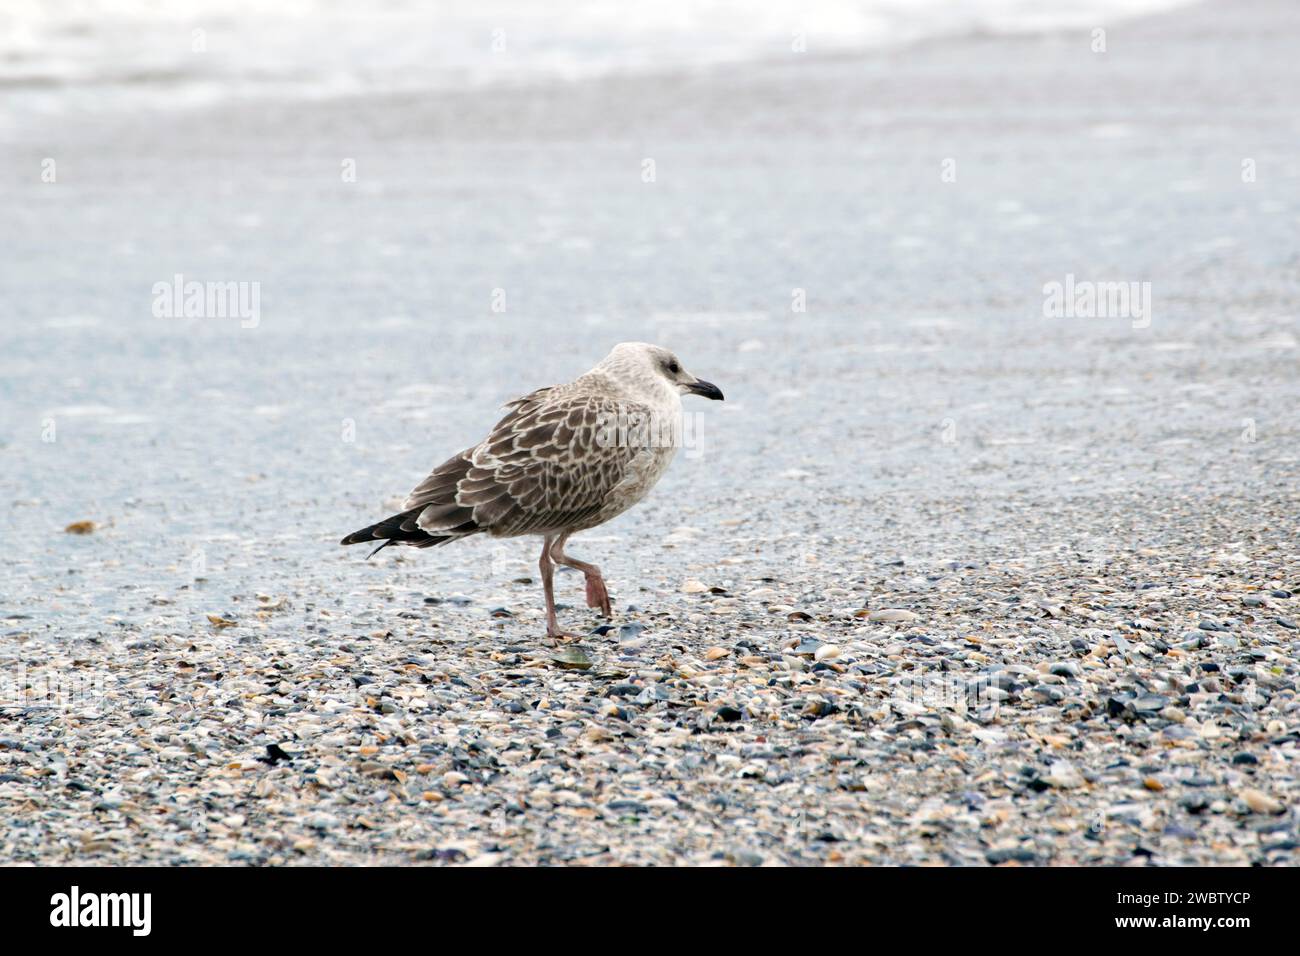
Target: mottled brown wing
551 463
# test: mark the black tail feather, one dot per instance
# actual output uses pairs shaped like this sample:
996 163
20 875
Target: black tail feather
396 529
402 529
378 549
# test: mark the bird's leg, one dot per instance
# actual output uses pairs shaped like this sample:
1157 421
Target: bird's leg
597 594
547 567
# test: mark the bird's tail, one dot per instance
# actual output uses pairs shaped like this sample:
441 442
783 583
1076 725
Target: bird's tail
398 529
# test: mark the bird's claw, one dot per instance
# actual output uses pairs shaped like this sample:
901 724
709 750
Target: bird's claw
556 638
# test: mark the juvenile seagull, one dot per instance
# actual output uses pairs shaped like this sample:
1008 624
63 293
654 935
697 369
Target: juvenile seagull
564 459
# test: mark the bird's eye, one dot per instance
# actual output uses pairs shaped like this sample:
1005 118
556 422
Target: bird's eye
674 368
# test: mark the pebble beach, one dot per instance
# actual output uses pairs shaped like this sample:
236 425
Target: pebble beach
945 581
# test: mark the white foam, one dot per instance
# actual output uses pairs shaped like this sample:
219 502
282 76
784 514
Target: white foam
56 54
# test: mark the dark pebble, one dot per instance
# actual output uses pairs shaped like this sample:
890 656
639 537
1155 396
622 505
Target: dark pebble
442 856
1016 854
1283 845
1194 805
1002 682
628 806
274 754
1117 706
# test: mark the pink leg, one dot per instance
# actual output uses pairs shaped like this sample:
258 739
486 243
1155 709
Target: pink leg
547 567
597 594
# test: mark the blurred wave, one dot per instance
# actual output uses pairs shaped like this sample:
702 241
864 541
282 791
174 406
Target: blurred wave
57 55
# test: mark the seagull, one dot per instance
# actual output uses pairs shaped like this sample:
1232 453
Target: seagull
564 459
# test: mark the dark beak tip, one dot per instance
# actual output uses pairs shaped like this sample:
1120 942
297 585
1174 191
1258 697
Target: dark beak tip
707 390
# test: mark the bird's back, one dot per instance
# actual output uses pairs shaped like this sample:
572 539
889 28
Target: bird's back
561 459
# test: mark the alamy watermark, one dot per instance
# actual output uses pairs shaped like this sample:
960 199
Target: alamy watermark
630 428
75 908
179 299
1085 299
82 690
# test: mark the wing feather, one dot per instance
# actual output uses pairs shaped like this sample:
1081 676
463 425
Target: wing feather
551 463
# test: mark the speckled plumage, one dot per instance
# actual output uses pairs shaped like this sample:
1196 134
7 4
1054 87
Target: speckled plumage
564 459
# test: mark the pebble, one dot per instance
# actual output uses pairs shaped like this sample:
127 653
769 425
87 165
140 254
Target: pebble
1065 775
572 658
1260 802
628 632
319 730
891 615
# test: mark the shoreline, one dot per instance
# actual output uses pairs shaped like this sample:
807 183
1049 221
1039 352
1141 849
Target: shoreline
745 65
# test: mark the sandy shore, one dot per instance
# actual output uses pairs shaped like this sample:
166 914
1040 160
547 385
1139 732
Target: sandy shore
1093 523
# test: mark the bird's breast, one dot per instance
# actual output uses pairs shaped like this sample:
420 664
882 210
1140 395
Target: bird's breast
643 473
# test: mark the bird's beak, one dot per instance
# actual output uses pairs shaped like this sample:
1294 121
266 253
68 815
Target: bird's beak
707 389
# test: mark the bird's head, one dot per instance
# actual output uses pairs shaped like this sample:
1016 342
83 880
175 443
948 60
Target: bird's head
657 365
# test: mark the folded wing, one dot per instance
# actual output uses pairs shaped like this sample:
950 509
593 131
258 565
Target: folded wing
552 463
